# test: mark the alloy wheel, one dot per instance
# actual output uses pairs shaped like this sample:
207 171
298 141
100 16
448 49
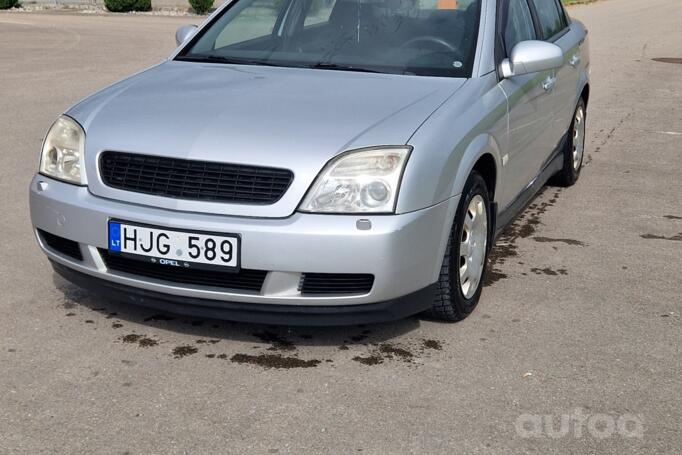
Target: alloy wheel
578 138
473 246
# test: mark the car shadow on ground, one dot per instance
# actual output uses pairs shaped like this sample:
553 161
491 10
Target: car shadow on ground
207 330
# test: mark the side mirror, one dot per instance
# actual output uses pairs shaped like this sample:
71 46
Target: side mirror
532 57
183 33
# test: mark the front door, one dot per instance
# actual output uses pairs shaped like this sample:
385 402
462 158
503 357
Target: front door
530 105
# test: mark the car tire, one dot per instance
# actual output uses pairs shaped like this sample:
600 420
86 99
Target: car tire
454 300
574 150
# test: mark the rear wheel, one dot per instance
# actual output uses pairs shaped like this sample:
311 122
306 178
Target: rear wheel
461 276
574 150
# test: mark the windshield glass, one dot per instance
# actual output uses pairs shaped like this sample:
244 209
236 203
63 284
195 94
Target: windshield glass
420 37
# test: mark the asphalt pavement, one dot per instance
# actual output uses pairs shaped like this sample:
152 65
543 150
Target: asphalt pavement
575 347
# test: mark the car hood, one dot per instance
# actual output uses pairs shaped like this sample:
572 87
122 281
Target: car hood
290 118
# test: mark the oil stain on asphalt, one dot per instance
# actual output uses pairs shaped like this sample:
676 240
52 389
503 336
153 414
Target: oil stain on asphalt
274 361
369 360
147 342
140 340
184 351
677 237
388 351
200 341
391 351
432 344
131 338
566 241
282 353
523 227
278 343
548 271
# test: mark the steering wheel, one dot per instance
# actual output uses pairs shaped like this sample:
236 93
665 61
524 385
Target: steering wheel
430 39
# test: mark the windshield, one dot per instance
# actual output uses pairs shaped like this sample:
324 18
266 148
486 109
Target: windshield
419 37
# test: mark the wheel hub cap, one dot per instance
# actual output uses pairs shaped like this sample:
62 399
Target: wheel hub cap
473 246
578 138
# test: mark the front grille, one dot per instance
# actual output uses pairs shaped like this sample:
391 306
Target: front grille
61 245
336 283
194 180
244 280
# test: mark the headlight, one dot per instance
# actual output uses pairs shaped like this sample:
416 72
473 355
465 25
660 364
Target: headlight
62 156
361 181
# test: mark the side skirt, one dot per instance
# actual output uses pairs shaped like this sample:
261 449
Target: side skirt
554 164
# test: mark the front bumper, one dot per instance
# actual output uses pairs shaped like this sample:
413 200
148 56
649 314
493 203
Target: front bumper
403 252
333 315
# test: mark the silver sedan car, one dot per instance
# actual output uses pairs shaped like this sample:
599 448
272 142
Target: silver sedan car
319 162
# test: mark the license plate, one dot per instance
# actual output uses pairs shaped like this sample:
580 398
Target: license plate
175 248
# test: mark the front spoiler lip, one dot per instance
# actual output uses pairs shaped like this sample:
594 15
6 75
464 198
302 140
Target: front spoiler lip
294 315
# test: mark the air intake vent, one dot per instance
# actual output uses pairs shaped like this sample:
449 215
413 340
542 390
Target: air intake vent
61 245
194 180
244 280
335 283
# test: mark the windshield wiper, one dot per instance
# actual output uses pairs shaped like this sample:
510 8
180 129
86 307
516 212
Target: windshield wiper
227 60
334 66
237 61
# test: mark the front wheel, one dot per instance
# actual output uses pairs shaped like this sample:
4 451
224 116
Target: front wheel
459 285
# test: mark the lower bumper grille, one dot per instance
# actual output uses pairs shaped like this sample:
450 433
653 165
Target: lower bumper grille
335 283
244 280
61 245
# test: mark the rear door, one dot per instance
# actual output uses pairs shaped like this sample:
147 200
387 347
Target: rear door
570 40
554 28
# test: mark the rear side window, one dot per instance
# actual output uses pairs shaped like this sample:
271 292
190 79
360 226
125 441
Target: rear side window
551 22
519 26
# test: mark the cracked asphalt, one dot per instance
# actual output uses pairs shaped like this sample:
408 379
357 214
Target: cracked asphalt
581 314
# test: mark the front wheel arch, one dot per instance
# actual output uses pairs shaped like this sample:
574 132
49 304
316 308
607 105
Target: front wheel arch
483 156
585 94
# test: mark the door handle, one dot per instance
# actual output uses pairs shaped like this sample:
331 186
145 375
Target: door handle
574 61
549 83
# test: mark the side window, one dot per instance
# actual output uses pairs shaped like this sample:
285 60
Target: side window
519 26
319 12
551 22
